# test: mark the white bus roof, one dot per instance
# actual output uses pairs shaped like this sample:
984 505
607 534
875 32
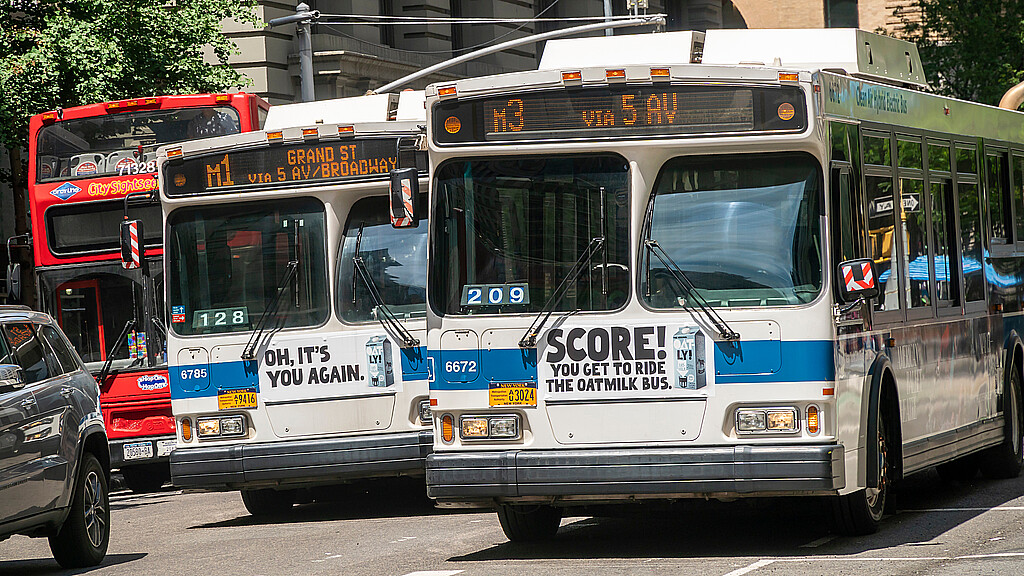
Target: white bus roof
356 109
624 50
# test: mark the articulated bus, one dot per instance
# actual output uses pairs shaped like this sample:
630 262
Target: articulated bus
296 294
83 161
653 279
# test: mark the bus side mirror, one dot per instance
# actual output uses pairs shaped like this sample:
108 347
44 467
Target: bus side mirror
405 191
14 282
857 279
131 244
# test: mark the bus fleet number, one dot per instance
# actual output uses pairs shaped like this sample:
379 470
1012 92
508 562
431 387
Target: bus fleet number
456 366
193 373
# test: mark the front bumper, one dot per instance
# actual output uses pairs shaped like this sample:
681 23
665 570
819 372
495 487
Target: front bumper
298 462
642 473
117 454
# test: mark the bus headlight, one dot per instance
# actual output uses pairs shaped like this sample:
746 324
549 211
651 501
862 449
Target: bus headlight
221 426
499 426
207 427
755 420
232 426
425 415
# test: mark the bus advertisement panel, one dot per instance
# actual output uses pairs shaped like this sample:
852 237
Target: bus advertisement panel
296 343
83 161
685 280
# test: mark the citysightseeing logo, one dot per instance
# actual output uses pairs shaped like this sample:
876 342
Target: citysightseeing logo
122 187
152 382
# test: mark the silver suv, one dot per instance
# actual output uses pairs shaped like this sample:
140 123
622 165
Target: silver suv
54 462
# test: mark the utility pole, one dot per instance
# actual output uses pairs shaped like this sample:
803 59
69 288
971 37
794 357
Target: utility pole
302 18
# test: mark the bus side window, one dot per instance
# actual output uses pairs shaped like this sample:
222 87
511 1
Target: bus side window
1018 197
1000 210
971 229
844 231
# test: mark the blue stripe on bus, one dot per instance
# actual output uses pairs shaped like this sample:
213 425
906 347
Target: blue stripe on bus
186 381
751 361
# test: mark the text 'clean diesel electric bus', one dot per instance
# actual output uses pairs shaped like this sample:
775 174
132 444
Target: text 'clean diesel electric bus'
296 343
83 161
652 279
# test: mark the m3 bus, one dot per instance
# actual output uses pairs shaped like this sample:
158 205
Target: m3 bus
654 278
83 161
297 303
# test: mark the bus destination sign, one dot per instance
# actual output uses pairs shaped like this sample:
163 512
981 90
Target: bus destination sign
294 163
620 111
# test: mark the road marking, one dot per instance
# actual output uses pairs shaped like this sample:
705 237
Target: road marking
435 573
818 542
976 509
402 539
750 568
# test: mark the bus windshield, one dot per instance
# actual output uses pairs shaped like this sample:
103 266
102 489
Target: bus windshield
746 231
123 143
396 259
227 263
508 231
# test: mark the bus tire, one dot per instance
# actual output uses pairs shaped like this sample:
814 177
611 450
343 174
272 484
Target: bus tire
146 477
859 513
1004 460
83 537
266 502
529 523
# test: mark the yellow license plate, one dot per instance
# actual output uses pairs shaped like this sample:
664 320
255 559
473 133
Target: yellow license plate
512 394
234 399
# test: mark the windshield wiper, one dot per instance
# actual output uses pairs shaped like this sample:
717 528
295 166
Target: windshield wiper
724 330
386 317
104 372
249 352
529 339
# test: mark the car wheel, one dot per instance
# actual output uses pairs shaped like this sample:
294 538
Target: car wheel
529 523
268 502
83 538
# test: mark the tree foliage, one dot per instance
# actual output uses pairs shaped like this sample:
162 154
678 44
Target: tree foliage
971 49
68 53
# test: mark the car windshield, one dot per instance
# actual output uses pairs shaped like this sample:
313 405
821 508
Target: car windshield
229 262
117 144
395 258
507 231
745 230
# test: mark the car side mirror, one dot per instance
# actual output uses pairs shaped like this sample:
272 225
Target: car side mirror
405 191
14 282
131 244
11 377
857 279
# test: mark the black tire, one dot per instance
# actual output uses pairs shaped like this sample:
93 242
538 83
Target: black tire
268 502
963 469
529 523
146 477
859 513
83 538
1004 461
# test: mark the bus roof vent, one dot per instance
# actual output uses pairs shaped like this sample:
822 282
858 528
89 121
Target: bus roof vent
357 109
859 53
626 50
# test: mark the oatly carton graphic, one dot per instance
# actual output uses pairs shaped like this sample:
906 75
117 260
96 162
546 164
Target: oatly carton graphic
691 373
378 360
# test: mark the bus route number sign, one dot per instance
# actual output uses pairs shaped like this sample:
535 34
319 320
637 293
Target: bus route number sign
512 394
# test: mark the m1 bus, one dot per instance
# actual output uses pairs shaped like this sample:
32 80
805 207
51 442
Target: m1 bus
83 161
297 303
654 278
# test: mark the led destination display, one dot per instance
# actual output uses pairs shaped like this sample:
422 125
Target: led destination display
620 111
294 163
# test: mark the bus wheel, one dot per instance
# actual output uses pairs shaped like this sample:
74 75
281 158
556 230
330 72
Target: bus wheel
1004 461
146 477
267 501
860 512
529 523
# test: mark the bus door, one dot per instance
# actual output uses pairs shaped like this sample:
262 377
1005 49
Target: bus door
80 313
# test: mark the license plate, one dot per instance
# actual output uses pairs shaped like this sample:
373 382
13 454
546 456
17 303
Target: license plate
138 450
234 399
164 447
513 394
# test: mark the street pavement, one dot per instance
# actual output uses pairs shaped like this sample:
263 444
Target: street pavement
390 528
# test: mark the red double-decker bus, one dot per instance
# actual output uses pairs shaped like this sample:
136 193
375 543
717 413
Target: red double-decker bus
83 161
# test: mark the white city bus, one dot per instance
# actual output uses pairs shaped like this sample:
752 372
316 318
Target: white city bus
296 341
653 276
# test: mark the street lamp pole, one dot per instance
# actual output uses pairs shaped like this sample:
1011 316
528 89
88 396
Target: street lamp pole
303 17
